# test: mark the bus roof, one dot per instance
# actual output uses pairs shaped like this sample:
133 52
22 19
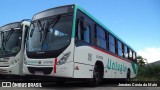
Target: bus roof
13 24
10 25
97 21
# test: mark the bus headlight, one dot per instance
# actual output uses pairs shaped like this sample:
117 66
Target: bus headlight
64 58
14 61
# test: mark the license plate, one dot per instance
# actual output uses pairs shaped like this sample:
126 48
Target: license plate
39 73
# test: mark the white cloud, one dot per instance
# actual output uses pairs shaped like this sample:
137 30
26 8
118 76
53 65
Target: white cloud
151 54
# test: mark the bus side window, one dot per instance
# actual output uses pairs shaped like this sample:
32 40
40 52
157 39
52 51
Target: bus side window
86 34
116 46
83 31
120 50
130 54
100 37
125 52
111 43
134 56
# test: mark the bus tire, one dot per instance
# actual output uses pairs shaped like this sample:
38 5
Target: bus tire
128 75
97 78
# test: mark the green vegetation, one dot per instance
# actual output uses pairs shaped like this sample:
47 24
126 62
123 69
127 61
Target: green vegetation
147 72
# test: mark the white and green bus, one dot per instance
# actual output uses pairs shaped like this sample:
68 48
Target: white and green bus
12 40
68 42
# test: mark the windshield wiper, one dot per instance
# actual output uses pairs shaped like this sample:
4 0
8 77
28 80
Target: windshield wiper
41 29
5 39
45 32
39 25
55 21
47 26
9 35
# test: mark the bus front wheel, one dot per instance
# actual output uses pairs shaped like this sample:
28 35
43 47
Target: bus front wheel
97 77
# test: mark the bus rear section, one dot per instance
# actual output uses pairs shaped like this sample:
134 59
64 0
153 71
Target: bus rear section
12 47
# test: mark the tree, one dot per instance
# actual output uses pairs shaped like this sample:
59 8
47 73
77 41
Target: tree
141 61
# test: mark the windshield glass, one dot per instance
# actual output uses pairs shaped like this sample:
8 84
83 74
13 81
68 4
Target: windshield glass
49 34
11 41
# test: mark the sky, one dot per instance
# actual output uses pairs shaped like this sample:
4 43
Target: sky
137 22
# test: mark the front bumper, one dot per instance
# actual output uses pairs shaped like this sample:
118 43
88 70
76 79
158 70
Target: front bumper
65 70
15 70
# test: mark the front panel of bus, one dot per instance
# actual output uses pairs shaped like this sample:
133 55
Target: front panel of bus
49 45
10 48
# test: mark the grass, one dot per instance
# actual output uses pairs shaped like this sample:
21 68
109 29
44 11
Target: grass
148 73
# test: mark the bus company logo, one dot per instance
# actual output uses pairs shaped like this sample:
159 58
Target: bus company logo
40 52
116 66
34 62
6 84
48 62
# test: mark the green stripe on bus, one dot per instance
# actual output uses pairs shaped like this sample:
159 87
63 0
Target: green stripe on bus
134 67
74 21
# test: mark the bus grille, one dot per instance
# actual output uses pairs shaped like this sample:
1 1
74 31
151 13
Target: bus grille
5 66
3 71
45 70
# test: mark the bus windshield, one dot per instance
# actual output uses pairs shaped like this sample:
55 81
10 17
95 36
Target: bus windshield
49 34
11 41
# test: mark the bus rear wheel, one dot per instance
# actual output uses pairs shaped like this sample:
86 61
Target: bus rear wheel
128 75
